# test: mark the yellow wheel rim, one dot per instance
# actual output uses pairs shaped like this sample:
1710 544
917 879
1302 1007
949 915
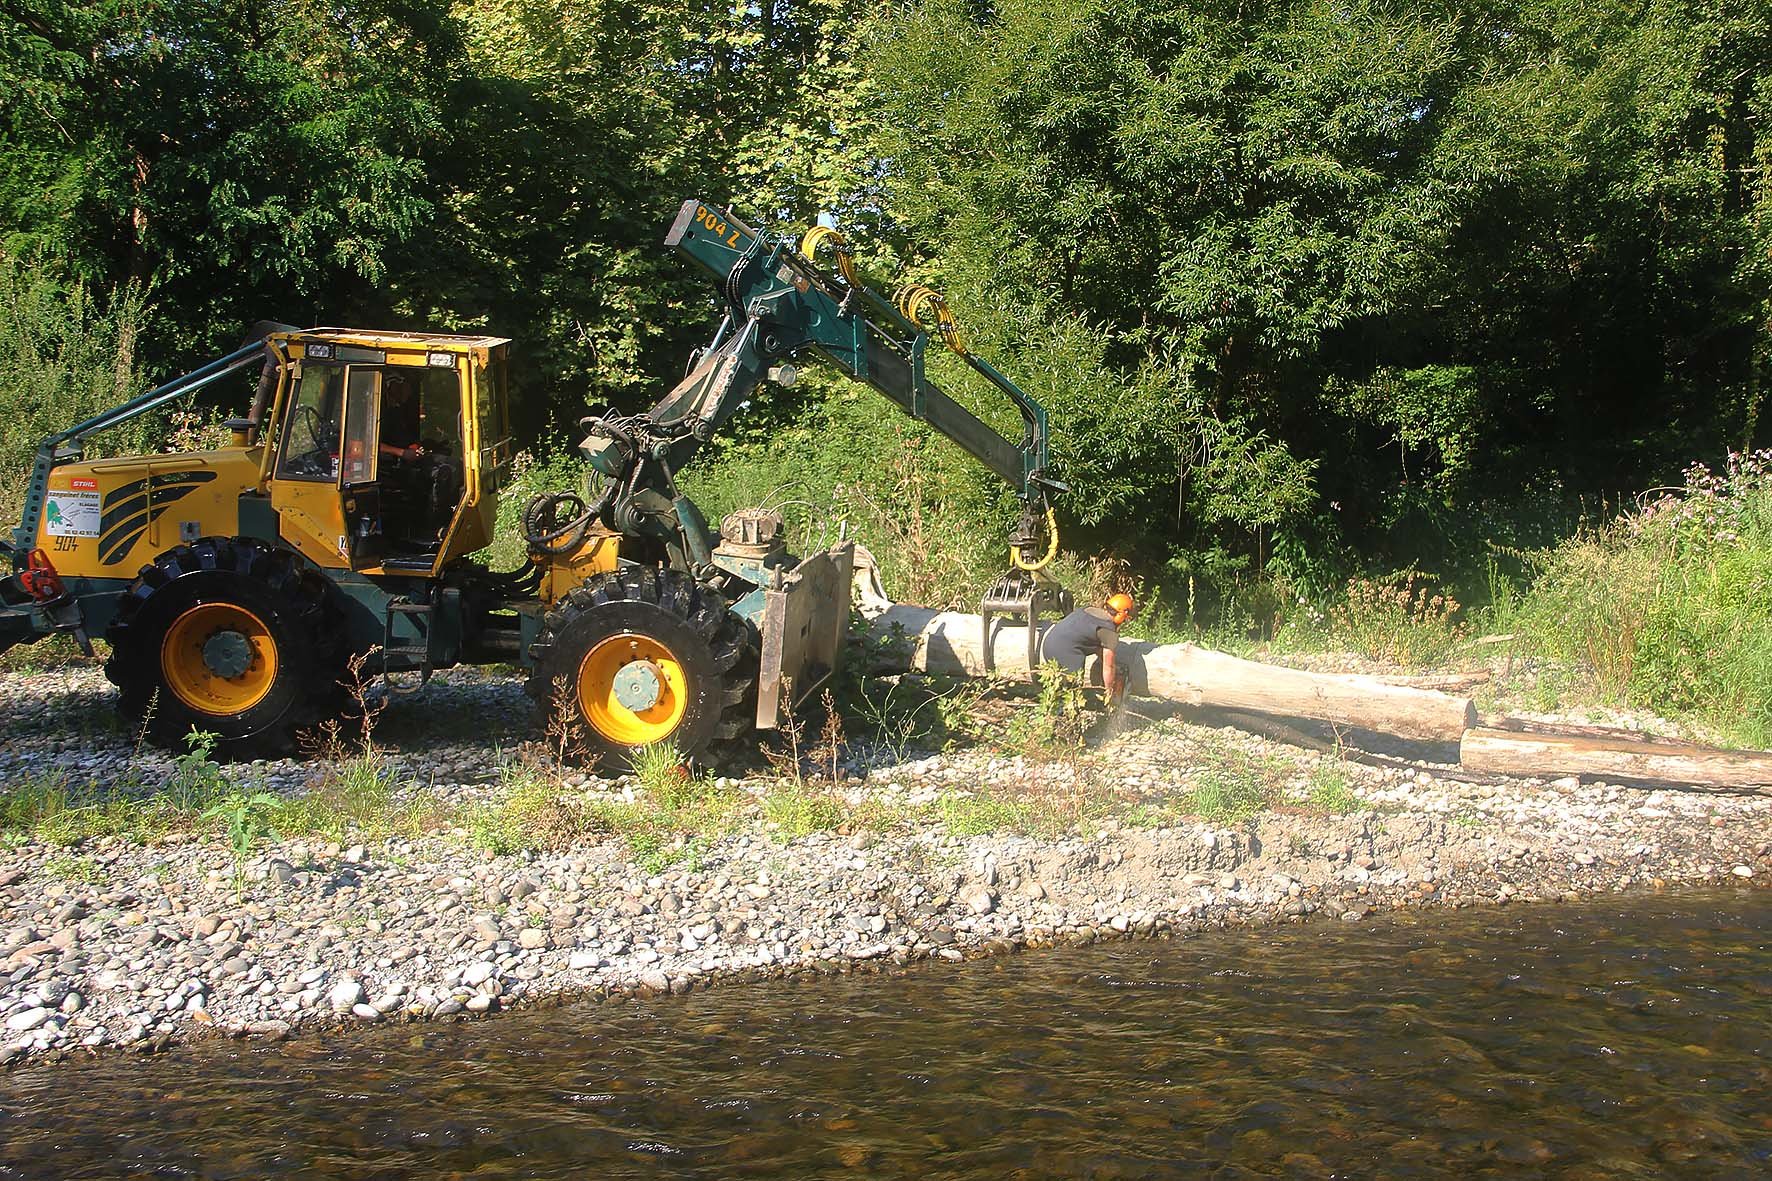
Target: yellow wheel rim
219 659
632 690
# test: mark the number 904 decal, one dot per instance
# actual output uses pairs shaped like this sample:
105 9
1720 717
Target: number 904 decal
717 224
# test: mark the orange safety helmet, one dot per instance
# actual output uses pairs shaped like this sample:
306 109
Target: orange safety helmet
1121 607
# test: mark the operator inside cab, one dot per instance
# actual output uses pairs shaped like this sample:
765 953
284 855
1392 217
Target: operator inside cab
1092 631
421 433
400 418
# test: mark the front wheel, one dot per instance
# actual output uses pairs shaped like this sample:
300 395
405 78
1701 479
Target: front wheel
226 636
642 656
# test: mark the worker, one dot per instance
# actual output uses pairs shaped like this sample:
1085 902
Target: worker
399 418
1092 631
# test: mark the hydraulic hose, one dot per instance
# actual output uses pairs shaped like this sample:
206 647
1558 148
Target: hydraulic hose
544 529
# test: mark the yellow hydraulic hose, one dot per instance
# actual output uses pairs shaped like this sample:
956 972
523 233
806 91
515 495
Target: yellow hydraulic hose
818 236
914 299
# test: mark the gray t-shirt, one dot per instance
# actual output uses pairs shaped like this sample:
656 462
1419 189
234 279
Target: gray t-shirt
1078 636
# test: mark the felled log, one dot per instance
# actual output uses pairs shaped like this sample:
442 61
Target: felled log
1517 748
1444 682
919 639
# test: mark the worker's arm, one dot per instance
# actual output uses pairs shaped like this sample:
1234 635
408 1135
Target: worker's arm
1111 677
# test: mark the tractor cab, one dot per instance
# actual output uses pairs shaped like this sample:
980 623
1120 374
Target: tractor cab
385 449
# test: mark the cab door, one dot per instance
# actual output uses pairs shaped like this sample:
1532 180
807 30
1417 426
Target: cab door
304 485
358 469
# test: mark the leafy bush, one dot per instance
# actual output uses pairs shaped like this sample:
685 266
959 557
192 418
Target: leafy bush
65 354
842 463
1669 608
1400 619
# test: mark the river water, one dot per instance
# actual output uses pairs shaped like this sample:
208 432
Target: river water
1623 1038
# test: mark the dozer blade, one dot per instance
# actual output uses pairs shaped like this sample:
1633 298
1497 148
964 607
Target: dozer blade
804 623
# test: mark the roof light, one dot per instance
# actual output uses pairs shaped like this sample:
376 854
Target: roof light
440 360
318 351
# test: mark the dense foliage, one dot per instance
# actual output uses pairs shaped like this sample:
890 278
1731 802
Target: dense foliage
1311 288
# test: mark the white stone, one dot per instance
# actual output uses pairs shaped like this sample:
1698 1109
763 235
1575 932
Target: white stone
27 1020
345 995
978 899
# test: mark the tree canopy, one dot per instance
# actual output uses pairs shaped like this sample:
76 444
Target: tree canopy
1307 286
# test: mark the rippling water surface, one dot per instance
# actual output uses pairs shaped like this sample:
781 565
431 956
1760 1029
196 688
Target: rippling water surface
1625 1038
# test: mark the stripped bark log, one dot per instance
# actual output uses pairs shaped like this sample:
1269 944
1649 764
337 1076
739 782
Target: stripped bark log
1617 754
917 638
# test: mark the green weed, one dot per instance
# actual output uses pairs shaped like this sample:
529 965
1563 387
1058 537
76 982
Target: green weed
245 819
1224 797
533 814
197 780
794 810
74 869
59 811
1331 789
660 772
1029 813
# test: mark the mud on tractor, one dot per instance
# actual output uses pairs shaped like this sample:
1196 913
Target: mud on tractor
233 585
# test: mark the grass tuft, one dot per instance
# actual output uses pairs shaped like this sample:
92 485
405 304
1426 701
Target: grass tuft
1331 789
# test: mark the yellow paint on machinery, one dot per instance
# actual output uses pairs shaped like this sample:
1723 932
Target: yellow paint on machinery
595 555
107 518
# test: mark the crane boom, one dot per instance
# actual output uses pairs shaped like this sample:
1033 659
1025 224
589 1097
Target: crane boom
780 303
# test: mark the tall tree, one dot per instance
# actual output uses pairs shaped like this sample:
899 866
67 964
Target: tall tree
240 160
1434 250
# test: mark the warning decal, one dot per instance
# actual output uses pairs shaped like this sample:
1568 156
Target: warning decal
71 513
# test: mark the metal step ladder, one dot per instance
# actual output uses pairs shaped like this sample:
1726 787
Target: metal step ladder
421 614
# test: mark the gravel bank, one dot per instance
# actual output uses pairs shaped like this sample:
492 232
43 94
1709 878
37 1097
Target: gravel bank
118 944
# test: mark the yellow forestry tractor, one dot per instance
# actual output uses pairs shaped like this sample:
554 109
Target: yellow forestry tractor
233 585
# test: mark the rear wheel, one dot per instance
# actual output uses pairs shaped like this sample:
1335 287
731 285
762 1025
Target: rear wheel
641 656
226 636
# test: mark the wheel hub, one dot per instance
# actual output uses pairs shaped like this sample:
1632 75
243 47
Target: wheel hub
632 689
219 658
227 654
638 685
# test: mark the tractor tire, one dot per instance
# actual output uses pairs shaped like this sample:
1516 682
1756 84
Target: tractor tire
230 637
640 656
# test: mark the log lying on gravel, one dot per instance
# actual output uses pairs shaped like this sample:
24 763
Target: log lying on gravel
1521 749
953 643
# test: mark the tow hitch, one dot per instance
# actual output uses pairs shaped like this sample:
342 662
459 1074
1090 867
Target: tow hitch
51 599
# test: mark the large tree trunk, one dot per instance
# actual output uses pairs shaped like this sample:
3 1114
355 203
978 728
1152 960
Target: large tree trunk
917 638
1617 754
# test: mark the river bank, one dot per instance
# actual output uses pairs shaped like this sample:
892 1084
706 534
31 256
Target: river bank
484 900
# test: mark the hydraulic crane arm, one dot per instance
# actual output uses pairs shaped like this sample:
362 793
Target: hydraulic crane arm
780 304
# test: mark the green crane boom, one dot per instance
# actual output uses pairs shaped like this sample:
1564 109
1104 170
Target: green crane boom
779 305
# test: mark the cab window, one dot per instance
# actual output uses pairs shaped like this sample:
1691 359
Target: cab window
310 436
362 412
